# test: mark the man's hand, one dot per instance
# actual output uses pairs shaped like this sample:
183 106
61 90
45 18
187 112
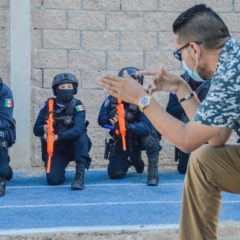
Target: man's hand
162 81
45 128
127 89
55 138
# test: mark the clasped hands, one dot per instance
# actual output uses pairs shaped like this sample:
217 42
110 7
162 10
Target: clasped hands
129 90
45 129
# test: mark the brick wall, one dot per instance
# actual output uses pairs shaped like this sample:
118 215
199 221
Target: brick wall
4 40
84 36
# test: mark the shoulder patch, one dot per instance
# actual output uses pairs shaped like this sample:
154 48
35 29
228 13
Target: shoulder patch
43 105
80 108
8 103
106 103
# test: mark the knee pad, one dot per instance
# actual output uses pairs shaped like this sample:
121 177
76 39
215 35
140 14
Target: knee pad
117 174
10 174
54 181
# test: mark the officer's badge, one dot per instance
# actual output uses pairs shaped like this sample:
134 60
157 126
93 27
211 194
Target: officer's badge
8 103
80 108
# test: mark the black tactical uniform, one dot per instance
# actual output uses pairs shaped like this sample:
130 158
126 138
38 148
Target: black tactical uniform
7 134
73 143
141 135
176 110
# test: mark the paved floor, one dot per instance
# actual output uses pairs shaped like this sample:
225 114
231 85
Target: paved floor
31 205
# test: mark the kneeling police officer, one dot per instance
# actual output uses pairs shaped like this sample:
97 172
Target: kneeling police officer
71 142
140 135
7 134
175 109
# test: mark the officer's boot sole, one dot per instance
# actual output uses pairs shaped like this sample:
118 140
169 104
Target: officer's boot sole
77 186
153 182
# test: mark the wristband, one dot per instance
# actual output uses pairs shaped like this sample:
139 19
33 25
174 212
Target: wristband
187 97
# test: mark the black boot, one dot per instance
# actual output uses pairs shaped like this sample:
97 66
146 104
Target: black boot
153 177
182 162
138 164
78 181
2 187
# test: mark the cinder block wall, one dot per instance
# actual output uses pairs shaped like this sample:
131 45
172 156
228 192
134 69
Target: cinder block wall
87 36
4 40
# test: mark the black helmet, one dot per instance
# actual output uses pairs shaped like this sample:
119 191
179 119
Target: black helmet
131 72
64 78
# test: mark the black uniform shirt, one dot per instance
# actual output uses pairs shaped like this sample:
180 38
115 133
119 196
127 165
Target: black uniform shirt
6 106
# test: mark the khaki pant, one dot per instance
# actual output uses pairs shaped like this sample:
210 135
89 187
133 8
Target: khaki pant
210 171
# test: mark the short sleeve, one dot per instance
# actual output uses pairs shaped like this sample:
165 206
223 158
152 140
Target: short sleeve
221 107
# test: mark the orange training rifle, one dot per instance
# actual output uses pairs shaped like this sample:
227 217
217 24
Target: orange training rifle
121 121
50 134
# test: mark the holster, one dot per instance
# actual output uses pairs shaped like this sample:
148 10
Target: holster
108 145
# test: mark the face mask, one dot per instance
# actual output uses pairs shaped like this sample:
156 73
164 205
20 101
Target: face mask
192 73
64 95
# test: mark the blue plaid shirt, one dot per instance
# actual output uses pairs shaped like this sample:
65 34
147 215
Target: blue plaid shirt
221 107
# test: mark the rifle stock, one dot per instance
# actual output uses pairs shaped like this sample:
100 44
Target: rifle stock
50 134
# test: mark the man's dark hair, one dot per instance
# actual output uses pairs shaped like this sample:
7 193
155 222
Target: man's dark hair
201 23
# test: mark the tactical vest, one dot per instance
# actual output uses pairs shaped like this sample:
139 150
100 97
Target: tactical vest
132 112
132 115
63 117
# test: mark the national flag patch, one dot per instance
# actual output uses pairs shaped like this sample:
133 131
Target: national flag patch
80 108
8 103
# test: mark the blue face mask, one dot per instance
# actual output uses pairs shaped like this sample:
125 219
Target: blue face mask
192 73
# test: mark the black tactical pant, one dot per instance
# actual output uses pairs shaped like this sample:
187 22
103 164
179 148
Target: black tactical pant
64 152
5 169
120 161
175 109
